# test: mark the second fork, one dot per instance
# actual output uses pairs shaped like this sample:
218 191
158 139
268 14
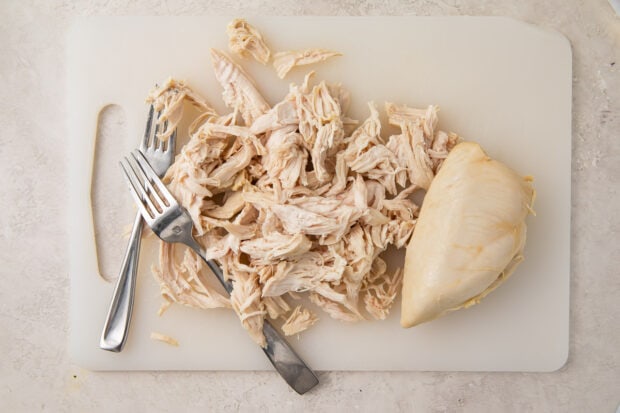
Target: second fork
160 156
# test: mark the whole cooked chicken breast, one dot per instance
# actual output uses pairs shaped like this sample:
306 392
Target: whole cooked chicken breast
469 236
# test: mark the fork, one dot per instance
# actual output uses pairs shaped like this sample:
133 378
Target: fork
172 223
160 155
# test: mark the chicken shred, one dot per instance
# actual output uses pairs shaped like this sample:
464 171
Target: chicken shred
245 40
295 199
240 93
180 282
285 61
299 320
169 100
246 301
164 339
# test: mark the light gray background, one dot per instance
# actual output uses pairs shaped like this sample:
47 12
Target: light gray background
35 373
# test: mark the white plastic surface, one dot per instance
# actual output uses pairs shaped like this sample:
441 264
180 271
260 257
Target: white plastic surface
498 81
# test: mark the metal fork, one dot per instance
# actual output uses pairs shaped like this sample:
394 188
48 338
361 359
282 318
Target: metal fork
160 155
172 223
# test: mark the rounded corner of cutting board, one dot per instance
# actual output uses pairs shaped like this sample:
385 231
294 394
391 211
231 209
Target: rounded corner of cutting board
558 360
557 36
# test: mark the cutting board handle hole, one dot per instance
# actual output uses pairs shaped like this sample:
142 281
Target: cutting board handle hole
112 210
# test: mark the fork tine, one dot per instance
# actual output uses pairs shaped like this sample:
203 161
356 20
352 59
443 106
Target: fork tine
155 141
161 142
172 141
149 127
152 178
144 186
147 173
134 184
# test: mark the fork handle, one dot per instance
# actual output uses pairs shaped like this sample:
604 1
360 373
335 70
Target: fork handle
286 362
116 326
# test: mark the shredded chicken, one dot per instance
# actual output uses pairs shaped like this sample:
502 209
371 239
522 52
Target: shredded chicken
299 320
296 198
285 61
169 100
240 93
180 282
245 40
164 339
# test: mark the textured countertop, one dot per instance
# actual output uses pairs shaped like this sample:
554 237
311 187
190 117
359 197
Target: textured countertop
37 374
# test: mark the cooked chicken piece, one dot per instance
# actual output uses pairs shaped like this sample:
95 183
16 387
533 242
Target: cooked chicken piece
332 307
276 307
202 119
244 135
329 219
411 154
164 339
321 125
379 293
168 99
231 207
276 246
282 114
299 320
367 155
241 232
232 265
359 253
398 115
375 193
342 96
248 215
328 140
309 272
285 61
246 301
469 236
395 233
225 174
245 40
286 157
442 145
419 149
181 282
188 176
219 246
295 219
400 206
239 94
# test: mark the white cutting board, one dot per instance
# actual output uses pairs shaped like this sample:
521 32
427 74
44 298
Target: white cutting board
503 83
